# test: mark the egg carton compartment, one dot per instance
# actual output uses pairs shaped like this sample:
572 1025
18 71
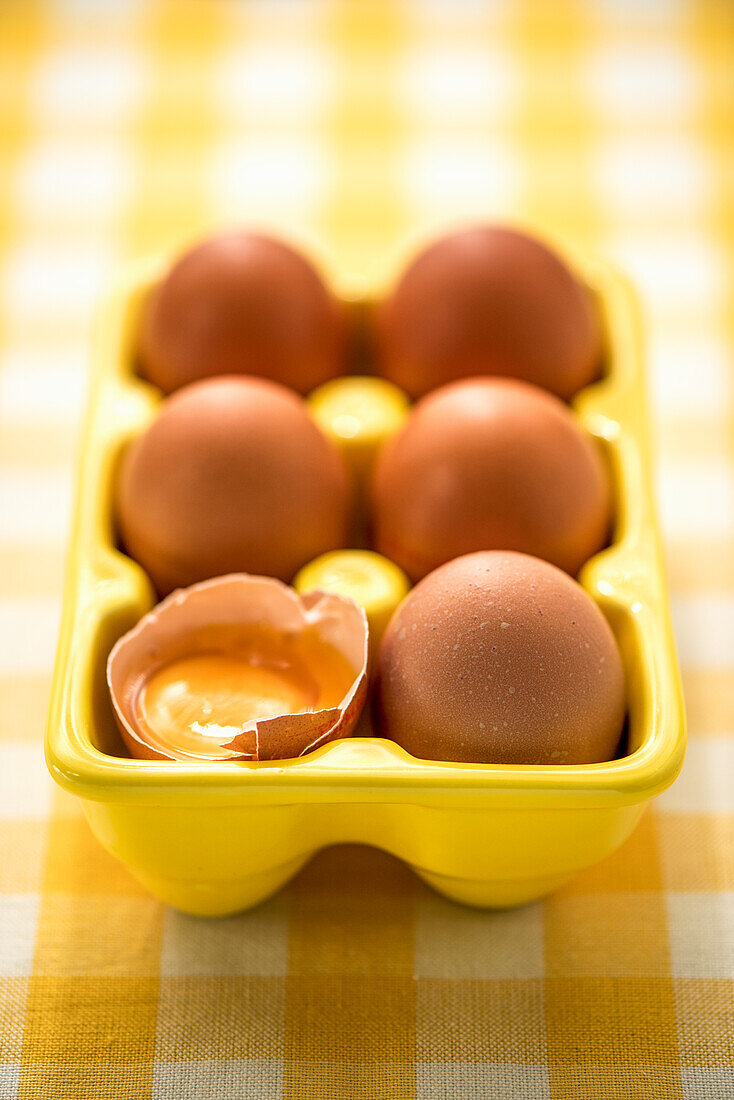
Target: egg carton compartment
214 838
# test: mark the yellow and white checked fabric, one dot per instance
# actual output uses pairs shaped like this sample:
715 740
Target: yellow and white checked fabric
356 125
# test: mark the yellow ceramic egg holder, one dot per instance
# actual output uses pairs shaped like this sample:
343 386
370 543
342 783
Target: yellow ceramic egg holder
214 838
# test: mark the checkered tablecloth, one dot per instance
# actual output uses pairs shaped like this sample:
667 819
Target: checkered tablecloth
356 126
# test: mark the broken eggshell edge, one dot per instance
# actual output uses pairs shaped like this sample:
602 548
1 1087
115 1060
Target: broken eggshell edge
239 598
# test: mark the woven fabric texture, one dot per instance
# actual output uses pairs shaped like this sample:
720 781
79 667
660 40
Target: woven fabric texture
355 128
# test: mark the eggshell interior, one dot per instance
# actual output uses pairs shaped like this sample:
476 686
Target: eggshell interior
164 635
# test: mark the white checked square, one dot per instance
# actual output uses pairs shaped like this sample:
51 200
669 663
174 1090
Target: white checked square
439 84
88 9
28 633
704 630
25 785
9 1080
251 944
18 920
35 505
691 374
704 785
80 179
675 274
651 11
463 178
511 1081
637 175
451 942
88 84
257 176
227 1080
261 19
283 80
697 495
457 14
701 931
41 282
707 1082
639 82
43 384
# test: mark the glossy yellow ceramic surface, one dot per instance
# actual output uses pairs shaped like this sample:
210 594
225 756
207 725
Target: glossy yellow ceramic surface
359 414
213 838
374 582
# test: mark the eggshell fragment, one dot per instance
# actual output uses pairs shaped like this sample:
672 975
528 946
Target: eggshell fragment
242 303
489 300
164 635
500 658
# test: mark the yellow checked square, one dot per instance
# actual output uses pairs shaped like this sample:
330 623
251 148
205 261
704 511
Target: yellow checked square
337 1018
606 935
102 936
76 863
605 1020
84 1019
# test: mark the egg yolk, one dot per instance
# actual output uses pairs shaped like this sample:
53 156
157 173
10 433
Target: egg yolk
231 676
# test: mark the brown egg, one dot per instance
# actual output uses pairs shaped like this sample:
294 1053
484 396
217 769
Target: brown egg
232 476
242 304
489 300
490 464
501 658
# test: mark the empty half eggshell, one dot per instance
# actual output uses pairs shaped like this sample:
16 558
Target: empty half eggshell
260 623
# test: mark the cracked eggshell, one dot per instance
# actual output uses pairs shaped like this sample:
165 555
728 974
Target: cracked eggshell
161 636
500 658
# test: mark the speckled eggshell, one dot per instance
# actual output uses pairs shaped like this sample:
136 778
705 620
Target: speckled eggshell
242 304
490 464
488 300
501 658
231 476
